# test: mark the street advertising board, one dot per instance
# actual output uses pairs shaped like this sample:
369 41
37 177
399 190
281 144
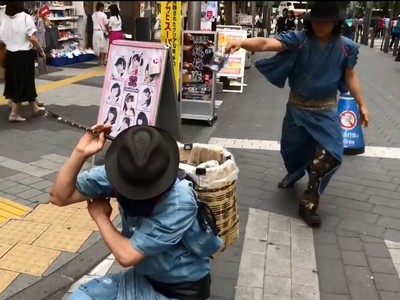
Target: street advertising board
197 79
235 64
138 88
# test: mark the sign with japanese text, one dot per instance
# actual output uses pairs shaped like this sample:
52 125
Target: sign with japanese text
197 78
236 61
171 32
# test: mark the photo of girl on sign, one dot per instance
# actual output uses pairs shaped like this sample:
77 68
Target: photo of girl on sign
135 62
145 99
119 68
125 123
142 119
148 79
129 104
115 93
111 116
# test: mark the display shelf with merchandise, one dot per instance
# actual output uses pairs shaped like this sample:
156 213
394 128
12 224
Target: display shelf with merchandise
64 21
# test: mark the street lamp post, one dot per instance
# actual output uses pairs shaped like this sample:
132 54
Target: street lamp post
194 15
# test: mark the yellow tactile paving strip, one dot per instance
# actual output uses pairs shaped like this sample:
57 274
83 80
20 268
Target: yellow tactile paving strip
6 277
10 209
30 244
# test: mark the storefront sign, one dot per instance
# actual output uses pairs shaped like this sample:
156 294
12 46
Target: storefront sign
171 32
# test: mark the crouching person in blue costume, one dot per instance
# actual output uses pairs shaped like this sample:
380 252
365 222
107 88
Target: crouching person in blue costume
321 62
165 241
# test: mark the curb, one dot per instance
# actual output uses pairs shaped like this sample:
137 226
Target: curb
52 286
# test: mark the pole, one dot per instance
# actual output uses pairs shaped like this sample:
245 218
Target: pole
388 31
253 16
194 14
367 23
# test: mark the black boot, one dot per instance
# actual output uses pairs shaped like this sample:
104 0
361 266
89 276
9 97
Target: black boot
308 209
309 216
289 181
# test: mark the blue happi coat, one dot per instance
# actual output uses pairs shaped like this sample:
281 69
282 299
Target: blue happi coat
317 74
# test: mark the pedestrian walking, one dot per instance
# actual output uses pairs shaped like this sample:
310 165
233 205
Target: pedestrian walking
115 25
318 62
18 32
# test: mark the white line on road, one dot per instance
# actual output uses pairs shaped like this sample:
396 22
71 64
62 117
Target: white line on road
370 151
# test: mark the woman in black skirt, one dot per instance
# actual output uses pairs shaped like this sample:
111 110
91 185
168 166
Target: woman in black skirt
18 34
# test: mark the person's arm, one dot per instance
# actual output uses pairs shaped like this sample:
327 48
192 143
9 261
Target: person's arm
111 23
30 29
119 246
353 82
286 41
92 183
64 190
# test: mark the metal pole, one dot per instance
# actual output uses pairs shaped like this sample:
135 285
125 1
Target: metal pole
194 15
253 16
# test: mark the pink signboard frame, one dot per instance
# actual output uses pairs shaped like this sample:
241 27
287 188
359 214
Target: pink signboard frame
133 84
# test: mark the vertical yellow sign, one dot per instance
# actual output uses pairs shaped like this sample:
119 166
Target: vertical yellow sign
171 32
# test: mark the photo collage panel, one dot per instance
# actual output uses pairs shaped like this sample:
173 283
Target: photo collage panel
130 98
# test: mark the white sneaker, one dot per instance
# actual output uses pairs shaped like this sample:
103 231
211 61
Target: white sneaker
15 118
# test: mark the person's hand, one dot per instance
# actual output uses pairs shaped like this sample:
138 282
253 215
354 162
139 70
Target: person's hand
364 115
42 54
233 46
99 208
90 143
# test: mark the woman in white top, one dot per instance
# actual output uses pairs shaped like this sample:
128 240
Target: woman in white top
100 33
115 24
17 32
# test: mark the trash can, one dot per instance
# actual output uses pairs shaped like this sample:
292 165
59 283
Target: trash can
353 138
213 170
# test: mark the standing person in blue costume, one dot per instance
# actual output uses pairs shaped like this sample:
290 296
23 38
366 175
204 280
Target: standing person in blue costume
166 237
311 135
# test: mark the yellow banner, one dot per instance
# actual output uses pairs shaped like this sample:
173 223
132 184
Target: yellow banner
171 32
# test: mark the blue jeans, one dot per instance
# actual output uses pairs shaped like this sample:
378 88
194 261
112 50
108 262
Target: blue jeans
103 288
120 286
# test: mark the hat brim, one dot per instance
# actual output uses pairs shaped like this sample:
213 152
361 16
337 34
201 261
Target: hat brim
334 18
138 191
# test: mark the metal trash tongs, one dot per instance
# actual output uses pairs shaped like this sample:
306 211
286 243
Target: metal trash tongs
60 119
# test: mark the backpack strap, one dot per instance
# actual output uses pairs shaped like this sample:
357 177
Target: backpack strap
205 215
343 47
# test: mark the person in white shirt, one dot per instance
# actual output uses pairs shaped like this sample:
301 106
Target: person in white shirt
18 33
115 25
100 33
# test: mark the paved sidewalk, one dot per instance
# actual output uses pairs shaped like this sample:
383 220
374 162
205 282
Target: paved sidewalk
354 255
44 248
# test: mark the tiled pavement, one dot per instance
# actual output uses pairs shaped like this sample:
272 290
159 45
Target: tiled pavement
356 253
30 155
355 249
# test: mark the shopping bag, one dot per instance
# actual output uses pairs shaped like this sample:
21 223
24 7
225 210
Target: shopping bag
42 66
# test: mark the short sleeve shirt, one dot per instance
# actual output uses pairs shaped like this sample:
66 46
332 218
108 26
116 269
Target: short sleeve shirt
16 30
159 236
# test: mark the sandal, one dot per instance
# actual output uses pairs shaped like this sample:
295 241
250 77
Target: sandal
15 118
